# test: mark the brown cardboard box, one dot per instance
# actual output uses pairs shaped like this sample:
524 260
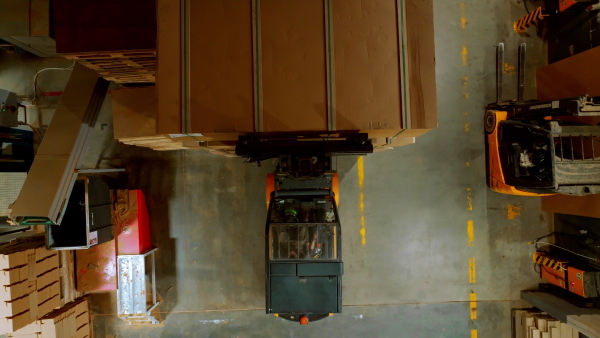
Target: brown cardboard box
573 76
31 279
72 320
135 110
296 67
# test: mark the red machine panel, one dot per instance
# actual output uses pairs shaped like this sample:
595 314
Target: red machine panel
97 268
132 223
582 283
565 4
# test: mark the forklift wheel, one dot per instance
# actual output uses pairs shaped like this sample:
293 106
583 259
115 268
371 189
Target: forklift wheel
489 121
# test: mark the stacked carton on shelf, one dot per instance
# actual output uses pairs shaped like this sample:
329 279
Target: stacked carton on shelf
31 280
70 321
532 323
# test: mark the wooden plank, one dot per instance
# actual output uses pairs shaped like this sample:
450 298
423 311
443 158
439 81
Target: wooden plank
293 65
119 54
221 73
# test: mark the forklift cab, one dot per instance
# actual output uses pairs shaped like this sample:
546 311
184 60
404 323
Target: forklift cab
304 258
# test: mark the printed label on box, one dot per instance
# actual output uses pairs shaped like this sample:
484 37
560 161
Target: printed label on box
93 238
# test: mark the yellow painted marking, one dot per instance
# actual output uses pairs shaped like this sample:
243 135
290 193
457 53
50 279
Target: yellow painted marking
361 181
473 305
469 199
470 233
466 87
509 69
512 211
465 55
467 127
473 333
472 276
468 164
463 16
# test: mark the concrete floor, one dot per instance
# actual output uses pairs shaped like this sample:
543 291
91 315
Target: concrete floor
419 268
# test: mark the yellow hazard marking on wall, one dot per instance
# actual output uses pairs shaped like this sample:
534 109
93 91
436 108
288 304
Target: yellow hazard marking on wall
509 69
465 55
512 211
473 305
473 333
463 16
466 87
470 233
361 182
472 275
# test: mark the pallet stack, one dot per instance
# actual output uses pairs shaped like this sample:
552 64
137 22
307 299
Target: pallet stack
133 66
70 321
31 280
532 323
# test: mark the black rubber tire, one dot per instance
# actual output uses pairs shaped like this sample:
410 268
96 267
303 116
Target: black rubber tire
489 121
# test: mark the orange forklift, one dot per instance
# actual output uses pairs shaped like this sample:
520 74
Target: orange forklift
533 150
303 243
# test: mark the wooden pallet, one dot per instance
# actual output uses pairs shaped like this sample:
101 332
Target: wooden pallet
144 78
166 143
123 54
134 66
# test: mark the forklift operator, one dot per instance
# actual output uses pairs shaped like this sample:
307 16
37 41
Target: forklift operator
293 243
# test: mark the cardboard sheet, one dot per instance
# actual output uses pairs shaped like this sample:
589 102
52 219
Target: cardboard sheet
221 71
134 112
588 206
293 65
55 157
421 64
367 74
168 72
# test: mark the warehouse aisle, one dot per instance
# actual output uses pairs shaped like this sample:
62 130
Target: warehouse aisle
437 255
428 249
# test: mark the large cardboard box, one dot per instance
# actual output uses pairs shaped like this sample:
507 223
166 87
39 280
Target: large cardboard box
271 65
31 280
70 321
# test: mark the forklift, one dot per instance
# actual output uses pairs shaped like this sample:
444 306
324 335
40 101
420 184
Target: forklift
303 243
536 148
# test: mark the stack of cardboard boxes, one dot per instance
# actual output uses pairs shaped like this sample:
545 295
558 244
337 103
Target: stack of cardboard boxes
31 280
532 323
70 321
285 67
